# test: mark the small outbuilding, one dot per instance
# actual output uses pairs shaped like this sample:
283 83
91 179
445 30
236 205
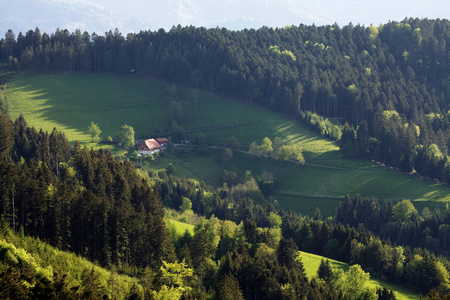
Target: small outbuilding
162 141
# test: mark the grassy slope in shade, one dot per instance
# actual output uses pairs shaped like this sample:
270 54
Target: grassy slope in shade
311 264
71 102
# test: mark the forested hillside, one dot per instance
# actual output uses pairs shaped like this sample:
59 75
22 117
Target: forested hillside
393 77
386 87
79 200
98 207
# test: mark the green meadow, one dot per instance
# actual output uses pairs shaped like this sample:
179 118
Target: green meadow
179 228
311 264
71 102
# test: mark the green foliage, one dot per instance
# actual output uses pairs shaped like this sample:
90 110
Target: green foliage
373 32
227 155
275 51
229 288
323 125
348 141
403 211
388 114
291 153
179 227
229 177
323 193
91 287
3 100
174 277
325 272
170 169
248 189
352 88
355 281
49 268
266 147
253 150
274 220
94 131
186 205
6 134
443 277
18 257
312 263
125 136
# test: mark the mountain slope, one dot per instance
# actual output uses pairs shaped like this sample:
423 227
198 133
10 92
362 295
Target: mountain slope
27 253
72 102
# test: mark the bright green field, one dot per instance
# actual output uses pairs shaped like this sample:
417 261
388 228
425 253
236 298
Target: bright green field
71 102
179 227
311 264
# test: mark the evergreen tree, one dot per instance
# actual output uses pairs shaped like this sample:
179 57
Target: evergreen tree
6 135
229 289
91 287
347 142
325 272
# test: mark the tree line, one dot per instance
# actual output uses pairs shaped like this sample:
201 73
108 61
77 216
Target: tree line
400 222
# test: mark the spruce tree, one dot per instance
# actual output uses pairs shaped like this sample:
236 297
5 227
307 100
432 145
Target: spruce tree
325 272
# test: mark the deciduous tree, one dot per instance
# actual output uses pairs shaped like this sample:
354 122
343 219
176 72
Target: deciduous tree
94 131
266 147
125 136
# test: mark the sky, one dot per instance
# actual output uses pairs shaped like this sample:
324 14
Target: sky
276 13
134 15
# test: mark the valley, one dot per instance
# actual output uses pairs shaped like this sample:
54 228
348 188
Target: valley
71 102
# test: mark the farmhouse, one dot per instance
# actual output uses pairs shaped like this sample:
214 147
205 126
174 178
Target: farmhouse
149 146
152 146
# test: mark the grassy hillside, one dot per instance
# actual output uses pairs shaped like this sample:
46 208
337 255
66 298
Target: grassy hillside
23 252
71 102
311 264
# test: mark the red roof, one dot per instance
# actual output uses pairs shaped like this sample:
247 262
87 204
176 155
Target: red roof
162 140
149 145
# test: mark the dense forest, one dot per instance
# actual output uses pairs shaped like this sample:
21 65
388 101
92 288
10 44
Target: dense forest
385 88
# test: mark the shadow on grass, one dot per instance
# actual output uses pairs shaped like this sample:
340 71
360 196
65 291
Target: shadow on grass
72 102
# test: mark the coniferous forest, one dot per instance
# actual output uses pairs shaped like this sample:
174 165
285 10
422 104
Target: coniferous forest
387 87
